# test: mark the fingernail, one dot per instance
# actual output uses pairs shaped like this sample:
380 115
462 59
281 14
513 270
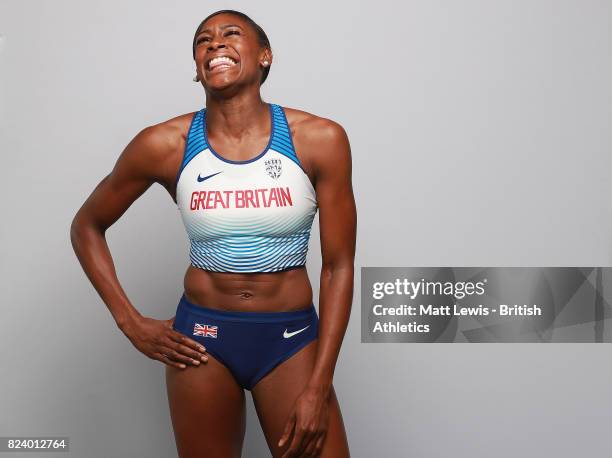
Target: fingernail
202 349
204 358
195 361
183 366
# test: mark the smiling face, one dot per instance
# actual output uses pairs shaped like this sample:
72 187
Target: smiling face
228 53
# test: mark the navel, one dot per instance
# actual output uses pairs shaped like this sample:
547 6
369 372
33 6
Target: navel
245 294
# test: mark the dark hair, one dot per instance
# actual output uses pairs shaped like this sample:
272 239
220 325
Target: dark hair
261 35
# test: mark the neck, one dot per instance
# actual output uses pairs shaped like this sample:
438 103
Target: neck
233 116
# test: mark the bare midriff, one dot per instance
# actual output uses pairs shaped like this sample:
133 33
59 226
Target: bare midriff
284 291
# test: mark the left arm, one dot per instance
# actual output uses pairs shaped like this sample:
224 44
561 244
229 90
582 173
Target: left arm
337 226
328 150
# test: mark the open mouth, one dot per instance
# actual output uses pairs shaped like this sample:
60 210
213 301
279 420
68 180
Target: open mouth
220 63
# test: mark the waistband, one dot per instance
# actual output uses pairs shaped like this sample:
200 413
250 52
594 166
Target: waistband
253 317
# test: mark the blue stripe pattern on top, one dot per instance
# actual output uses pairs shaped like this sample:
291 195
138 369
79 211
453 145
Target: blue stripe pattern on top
281 140
253 253
195 143
218 257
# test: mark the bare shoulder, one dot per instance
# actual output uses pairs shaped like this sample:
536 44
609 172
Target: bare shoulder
308 128
156 151
159 140
317 140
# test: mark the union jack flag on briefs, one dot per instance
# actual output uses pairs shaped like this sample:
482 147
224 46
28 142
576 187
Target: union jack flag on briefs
205 330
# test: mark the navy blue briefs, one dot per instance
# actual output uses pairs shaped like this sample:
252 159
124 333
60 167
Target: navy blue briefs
249 344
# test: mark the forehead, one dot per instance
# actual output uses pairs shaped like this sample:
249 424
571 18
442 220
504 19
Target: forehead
223 20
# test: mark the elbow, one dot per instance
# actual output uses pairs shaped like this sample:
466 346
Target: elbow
76 232
80 229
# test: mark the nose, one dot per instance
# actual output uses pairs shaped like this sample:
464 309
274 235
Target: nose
215 43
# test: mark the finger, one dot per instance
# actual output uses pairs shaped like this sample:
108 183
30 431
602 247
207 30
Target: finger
176 356
164 359
315 447
307 439
287 432
195 356
296 443
320 442
310 444
184 340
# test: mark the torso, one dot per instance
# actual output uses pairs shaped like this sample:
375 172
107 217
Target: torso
261 291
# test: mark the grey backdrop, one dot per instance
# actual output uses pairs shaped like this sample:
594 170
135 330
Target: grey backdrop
480 133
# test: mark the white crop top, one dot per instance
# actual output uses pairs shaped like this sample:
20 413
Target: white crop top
245 216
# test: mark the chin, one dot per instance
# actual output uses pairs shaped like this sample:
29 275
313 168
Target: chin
220 82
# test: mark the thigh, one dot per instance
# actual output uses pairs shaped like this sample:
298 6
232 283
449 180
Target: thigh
207 408
275 394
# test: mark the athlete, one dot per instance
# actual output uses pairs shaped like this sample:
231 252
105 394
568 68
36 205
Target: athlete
248 178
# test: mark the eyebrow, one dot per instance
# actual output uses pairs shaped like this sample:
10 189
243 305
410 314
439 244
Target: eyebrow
222 28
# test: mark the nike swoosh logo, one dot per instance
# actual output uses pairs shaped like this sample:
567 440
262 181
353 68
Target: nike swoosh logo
200 179
286 334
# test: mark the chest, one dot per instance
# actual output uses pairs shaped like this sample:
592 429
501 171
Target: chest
269 195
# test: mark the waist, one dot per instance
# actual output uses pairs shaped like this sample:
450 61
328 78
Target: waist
251 316
258 292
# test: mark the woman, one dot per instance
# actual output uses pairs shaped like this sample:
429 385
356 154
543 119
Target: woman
248 178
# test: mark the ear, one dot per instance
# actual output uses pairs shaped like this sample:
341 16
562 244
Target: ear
266 55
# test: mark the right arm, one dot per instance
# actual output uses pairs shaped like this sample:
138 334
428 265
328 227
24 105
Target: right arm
138 167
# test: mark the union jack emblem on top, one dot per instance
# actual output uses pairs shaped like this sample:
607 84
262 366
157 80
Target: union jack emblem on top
205 330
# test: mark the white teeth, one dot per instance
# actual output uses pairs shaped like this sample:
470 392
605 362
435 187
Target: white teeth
221 60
